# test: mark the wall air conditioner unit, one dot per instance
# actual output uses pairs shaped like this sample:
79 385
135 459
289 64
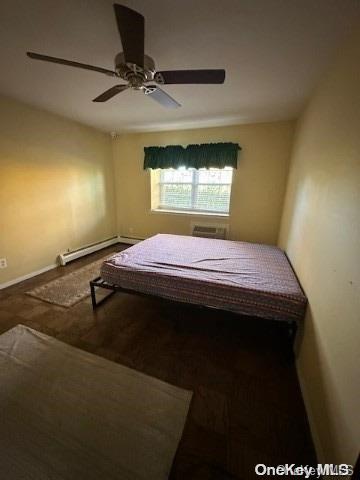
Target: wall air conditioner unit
209 230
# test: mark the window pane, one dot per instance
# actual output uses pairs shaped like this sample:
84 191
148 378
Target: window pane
214 175
175 195
181 175
214 198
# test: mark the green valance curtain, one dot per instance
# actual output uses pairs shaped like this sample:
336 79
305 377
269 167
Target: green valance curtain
205 155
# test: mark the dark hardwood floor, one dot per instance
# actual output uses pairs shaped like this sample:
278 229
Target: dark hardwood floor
247 406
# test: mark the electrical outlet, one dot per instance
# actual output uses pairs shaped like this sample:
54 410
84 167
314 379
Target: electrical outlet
3 263
131 229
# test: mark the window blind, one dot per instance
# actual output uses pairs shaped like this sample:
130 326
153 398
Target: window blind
200 190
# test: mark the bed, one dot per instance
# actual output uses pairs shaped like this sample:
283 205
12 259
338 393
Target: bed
245 278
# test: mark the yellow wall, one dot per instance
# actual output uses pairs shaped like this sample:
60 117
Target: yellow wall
258 184
321 234
56 188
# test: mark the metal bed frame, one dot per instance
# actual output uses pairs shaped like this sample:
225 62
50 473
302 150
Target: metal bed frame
99 282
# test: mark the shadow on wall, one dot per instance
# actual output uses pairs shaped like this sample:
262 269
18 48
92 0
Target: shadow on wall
313 362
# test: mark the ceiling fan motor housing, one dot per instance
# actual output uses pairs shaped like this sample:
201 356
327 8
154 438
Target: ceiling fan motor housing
134 74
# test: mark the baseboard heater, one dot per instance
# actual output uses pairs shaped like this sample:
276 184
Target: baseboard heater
67 257
129 240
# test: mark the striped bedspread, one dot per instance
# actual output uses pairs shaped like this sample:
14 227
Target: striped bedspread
245 278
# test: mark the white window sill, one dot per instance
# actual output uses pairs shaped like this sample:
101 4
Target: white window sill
190 212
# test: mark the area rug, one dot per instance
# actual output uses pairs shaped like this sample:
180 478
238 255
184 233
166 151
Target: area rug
70 289
67 414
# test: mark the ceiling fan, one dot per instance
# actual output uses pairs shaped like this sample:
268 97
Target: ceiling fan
136 68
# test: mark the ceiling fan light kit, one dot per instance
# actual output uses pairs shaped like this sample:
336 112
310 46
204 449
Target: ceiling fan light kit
136 68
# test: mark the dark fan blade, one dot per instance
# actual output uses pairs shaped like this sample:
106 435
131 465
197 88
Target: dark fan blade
160 96
131 27
110 93
190 76
46 58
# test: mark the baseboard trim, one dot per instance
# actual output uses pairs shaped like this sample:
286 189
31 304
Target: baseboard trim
27 276
312 424
54 265
130 240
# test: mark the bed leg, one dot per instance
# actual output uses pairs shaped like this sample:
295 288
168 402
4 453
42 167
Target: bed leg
99 283
93 295
292 329
291 333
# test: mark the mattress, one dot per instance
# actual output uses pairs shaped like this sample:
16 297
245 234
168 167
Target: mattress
67 414
241 277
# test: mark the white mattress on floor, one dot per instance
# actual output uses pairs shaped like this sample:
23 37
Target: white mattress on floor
68 414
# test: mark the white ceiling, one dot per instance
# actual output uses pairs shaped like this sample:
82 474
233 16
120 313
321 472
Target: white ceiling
274 52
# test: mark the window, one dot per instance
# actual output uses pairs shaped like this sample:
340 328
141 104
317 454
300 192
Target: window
191 190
